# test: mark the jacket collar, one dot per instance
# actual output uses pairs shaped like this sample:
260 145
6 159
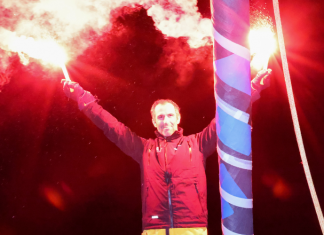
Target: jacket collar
177 134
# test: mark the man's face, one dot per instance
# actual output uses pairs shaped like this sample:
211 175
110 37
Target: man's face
166 120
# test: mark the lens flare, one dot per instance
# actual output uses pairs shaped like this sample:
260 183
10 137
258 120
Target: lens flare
54 197
262 45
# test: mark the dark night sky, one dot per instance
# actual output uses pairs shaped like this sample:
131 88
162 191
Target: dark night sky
60 175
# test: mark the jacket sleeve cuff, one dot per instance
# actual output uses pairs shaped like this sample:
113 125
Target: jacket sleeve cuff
255 95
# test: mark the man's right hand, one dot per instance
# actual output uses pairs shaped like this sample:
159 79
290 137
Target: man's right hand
72 89
261 80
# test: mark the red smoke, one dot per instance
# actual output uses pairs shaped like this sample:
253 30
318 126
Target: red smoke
69 21
76 25
80 25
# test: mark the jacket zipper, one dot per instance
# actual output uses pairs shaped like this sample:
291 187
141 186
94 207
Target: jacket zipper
146 199
190 152
169 186
165 155
170 207
200 200
149 154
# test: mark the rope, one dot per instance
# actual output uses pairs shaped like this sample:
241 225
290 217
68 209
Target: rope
294 115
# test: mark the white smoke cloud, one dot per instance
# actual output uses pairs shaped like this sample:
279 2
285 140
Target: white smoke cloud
6 38
63 20
180 18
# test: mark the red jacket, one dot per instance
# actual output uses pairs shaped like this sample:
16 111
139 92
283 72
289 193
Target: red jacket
172 170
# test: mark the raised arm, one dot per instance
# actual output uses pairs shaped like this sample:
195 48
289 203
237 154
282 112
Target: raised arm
208 137
115 131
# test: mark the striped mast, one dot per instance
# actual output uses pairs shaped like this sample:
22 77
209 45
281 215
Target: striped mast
233 109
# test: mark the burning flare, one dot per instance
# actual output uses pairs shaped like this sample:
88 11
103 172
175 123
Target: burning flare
47 51
262 45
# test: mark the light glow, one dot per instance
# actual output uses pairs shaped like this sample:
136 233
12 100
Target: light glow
46 50
262 45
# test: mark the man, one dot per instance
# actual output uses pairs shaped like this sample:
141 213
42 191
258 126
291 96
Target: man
172 165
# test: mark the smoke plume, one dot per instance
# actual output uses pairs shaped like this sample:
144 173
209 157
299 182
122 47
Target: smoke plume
77 24
180 18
